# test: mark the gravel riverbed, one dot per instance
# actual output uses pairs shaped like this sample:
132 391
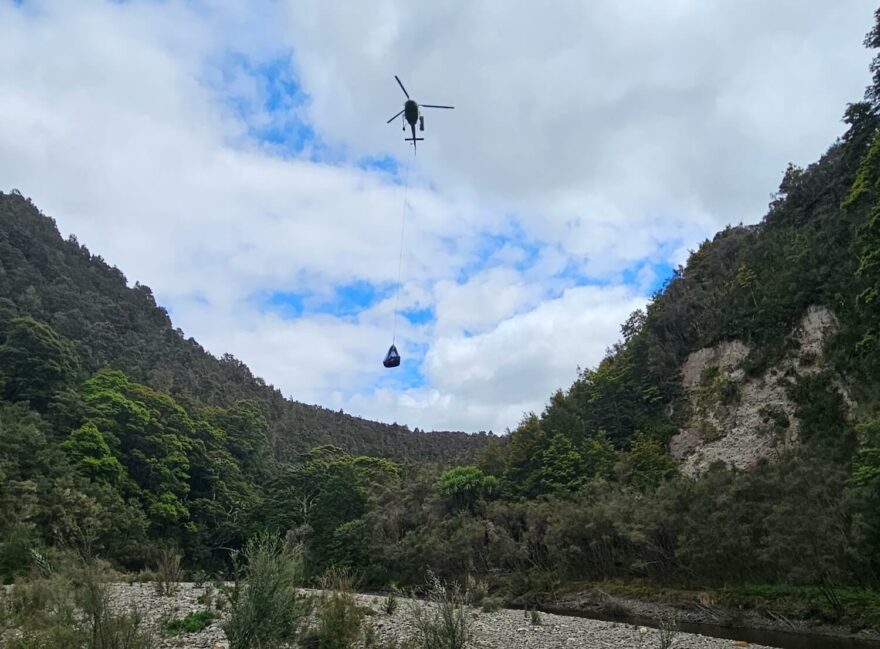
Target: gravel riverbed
504 629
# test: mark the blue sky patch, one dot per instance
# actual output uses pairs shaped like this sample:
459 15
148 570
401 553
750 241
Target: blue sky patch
267 98
386 164
419 316
510 248
286 304
346 300
350 299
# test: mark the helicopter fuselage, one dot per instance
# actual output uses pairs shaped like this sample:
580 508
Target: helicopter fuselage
411 112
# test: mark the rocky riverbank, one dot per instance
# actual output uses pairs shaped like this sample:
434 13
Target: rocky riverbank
503 629
598 604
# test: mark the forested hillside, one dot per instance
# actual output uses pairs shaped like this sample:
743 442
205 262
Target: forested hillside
116 431
88 303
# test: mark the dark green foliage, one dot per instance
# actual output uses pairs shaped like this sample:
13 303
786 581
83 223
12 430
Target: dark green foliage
647 464
35 362
390 603
867 462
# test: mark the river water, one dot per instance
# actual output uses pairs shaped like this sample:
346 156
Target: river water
781 639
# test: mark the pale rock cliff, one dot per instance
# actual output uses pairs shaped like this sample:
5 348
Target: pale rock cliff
740 420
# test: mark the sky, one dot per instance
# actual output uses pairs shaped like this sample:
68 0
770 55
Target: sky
234 157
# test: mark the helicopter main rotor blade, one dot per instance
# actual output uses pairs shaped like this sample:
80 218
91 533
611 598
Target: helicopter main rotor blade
435 106
394 118
400 83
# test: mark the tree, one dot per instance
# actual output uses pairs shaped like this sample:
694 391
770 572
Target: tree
464 486
526 443
90 454
561 469
599 457
646 464
35 362
151 435
866 467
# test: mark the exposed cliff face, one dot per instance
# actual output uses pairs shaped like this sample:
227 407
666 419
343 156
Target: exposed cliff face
740 420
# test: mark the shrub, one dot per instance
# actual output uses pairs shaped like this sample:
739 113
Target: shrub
266 610
207 596
105 628
168 573
389 605
475 590
668 631
492 604
444 623
338 617
43 612
71 608
535 617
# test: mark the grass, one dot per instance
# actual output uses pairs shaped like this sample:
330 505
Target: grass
444 623
70 607
338 617
168 573
389 604
855 609
535 618
192 623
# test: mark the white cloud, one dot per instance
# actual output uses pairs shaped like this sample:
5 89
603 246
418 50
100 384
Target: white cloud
483 300
588 139
488 381
648 105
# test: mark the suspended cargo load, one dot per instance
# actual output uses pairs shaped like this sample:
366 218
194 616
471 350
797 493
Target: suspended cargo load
392 358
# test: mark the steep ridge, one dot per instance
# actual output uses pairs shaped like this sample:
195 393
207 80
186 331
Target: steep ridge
757 311
113 325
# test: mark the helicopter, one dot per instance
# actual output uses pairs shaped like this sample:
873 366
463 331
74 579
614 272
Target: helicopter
412 115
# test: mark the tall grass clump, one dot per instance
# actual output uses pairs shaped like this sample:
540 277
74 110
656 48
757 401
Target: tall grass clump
338 618
265 610
444 621
107 629
476 590
389 604
70 607
168 573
